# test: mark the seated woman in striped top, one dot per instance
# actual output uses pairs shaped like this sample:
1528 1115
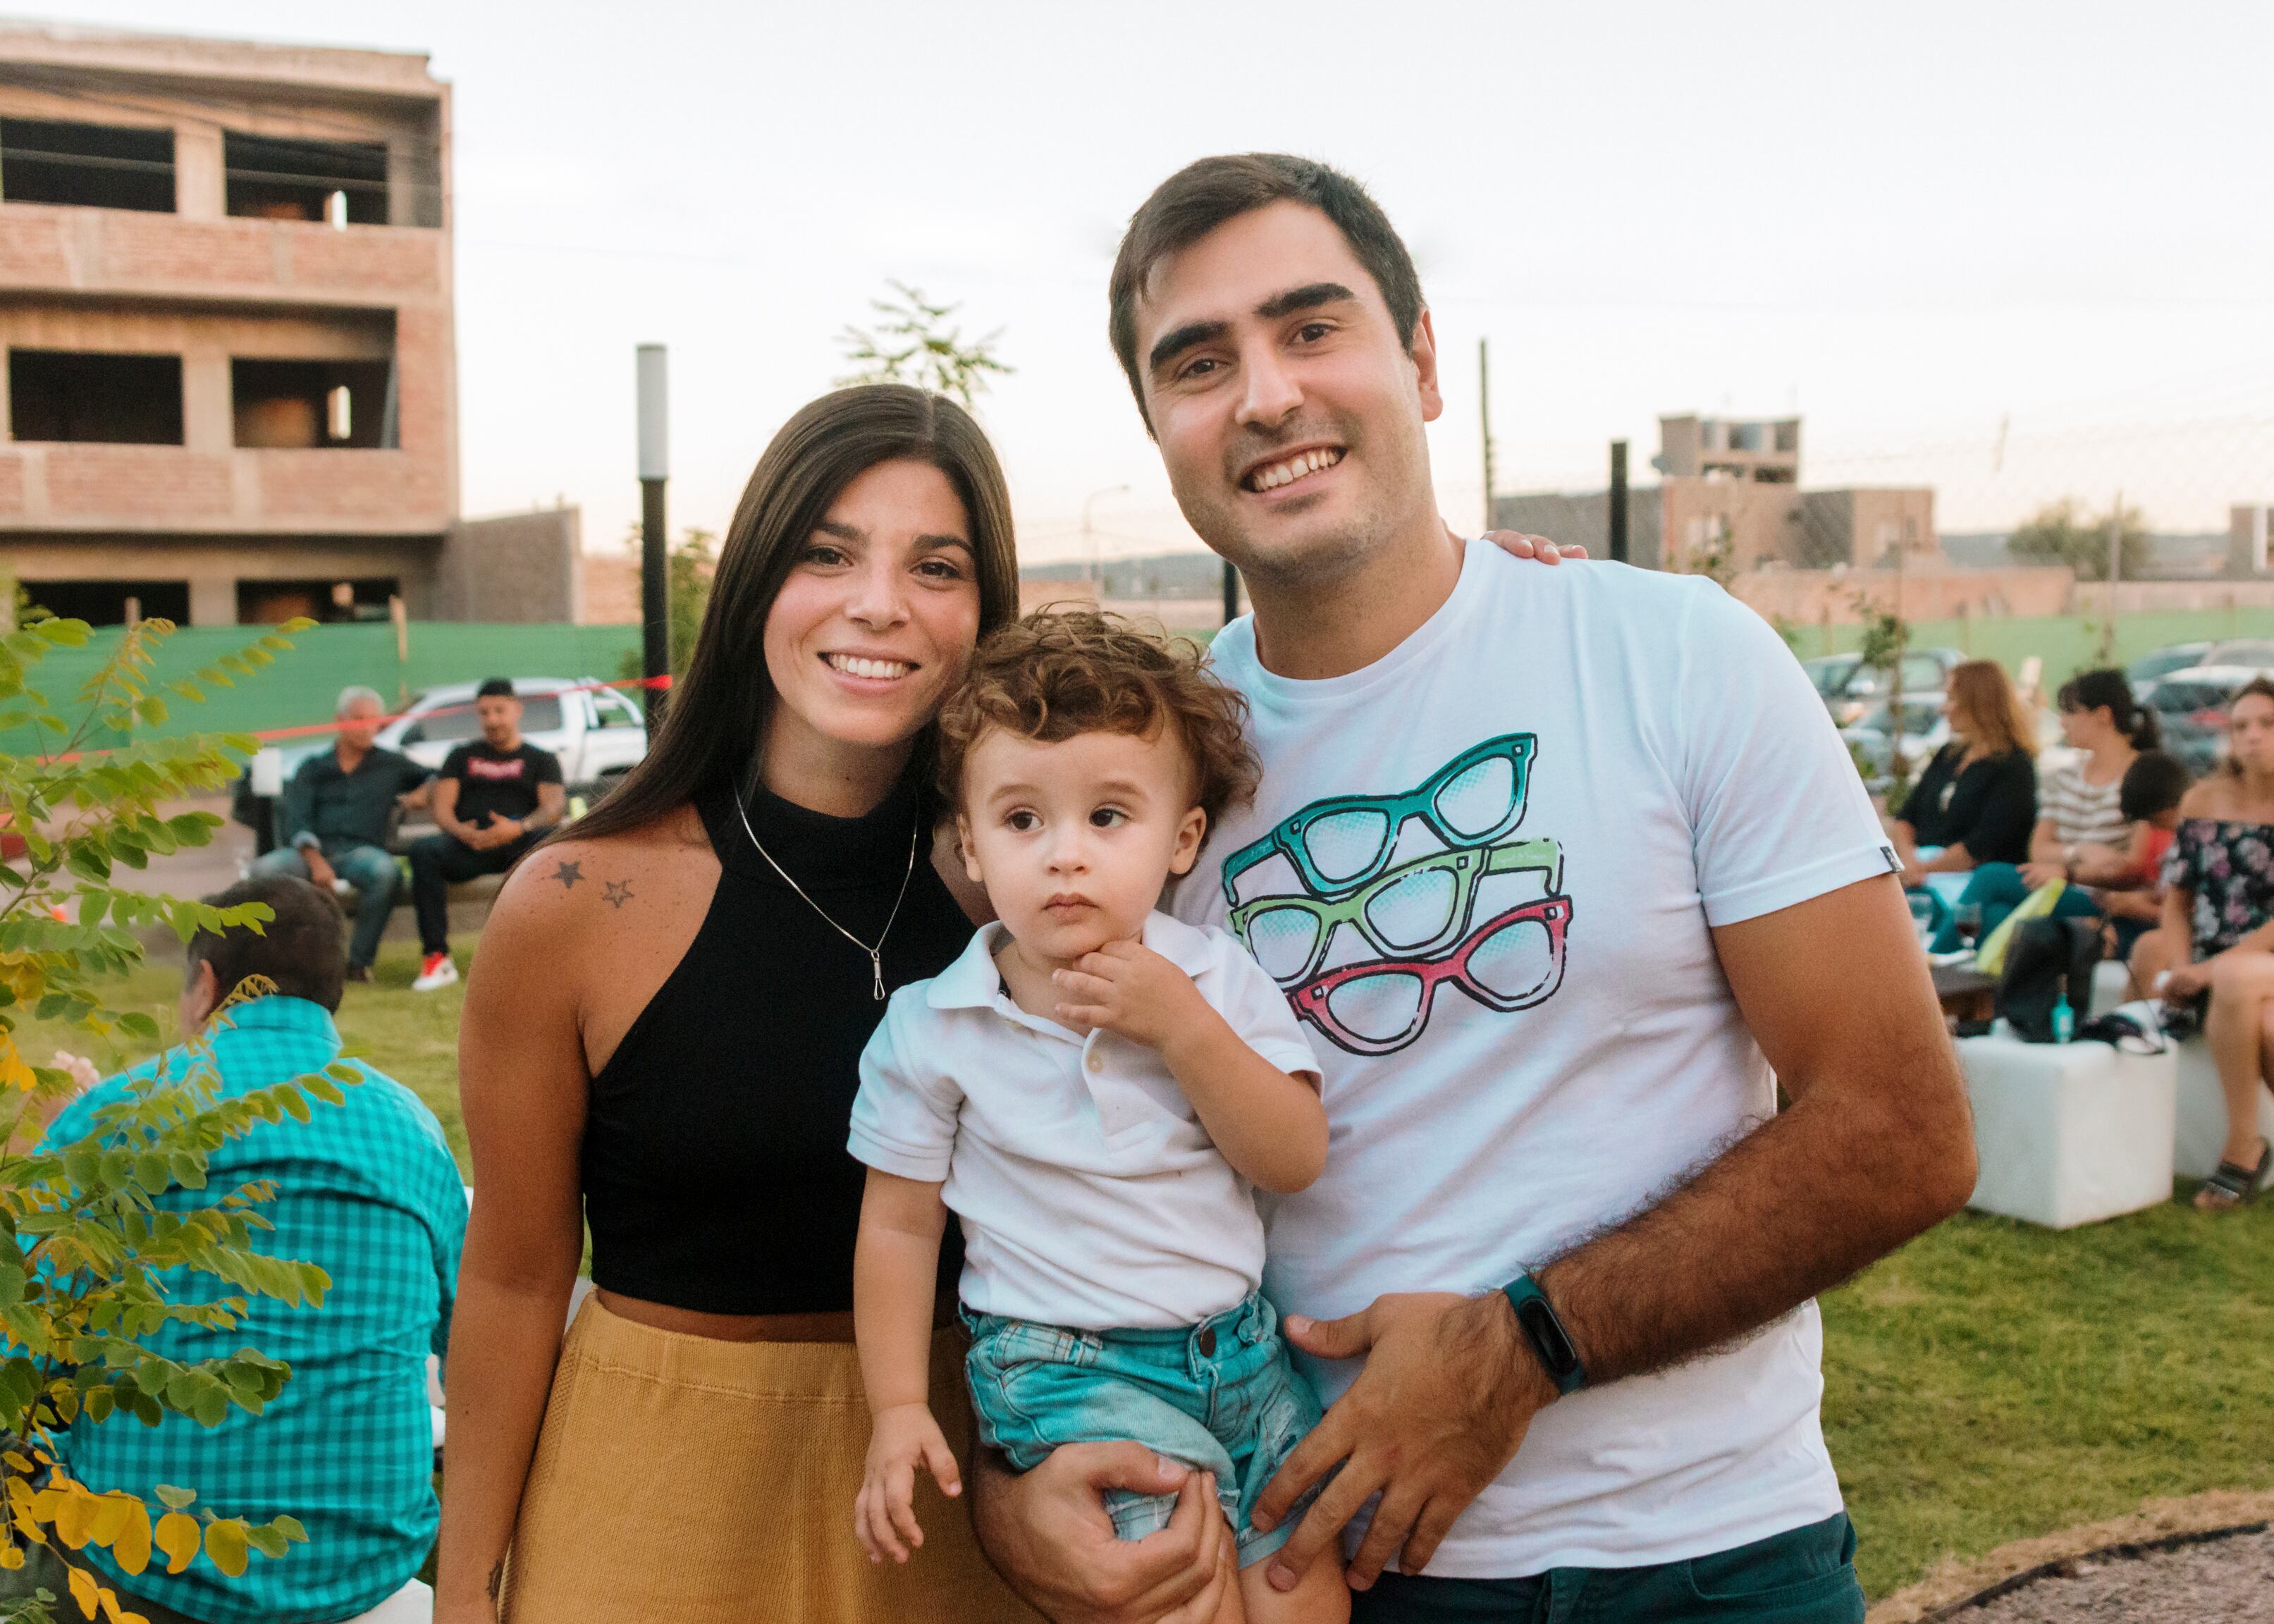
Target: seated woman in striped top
2081 834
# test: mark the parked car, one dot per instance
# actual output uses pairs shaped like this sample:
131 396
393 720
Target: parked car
599 734
2150 668
1925 676
2256 652
2192 703
1830 674
1925 731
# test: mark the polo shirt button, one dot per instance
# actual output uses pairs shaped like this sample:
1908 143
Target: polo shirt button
1096 1063
1207 1341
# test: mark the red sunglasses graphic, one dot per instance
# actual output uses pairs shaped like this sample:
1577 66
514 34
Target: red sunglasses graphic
1512 961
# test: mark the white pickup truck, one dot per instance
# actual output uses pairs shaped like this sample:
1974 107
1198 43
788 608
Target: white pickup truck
598 733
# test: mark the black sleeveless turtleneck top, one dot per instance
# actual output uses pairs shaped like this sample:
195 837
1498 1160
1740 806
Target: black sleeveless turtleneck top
716 1176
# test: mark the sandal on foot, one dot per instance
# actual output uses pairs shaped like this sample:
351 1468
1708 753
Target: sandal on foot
2233 1185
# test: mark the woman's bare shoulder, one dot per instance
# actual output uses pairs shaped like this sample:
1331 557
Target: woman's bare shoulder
570 879
2207 797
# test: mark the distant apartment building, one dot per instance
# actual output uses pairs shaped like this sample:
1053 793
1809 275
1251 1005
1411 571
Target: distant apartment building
225 298
1730 498
1759 450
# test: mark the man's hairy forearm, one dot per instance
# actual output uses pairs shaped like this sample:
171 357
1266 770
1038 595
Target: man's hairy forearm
1794 1208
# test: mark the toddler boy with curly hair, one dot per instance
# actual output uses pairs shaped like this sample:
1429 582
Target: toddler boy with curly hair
1096 1090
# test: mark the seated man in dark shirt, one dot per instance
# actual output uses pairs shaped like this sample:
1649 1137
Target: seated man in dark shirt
333 825
492 800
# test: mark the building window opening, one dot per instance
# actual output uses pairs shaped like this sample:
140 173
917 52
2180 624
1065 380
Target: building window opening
334 602
62 395
299 405
94 165
112 603
343 183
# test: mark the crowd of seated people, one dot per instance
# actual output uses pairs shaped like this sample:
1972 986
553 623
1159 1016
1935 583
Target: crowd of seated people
2180 874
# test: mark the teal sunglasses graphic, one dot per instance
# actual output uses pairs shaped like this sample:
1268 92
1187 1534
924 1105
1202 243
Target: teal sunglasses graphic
1339 845
1411 911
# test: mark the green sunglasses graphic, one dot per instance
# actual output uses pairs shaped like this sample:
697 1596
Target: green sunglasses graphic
1410 912
1339 844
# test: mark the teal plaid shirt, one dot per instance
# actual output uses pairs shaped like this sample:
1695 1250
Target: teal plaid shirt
367 1191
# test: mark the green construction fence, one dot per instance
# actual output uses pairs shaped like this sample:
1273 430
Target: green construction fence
2065 644
301 688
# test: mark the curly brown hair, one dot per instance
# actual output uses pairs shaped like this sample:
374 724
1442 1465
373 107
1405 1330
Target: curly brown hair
1056 674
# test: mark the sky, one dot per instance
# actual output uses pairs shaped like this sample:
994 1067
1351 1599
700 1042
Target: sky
2018 250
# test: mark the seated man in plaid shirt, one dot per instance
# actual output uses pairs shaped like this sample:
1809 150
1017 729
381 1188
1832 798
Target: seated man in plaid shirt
366 1190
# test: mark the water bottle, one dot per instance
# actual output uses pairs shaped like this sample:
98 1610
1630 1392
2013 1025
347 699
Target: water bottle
2064 1020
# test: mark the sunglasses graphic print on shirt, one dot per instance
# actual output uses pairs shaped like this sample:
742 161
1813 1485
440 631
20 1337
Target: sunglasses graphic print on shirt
1416 917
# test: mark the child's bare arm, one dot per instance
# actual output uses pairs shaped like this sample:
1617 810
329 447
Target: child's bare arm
895 1261
1267 1123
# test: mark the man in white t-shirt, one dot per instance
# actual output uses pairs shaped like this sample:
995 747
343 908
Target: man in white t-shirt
1564 869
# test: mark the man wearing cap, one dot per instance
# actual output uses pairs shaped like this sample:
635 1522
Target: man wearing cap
493 799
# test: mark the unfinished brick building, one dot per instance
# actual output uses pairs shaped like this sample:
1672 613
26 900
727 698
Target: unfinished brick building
225 299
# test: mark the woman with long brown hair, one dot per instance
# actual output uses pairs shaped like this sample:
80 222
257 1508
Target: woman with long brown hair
1976 801
661 1040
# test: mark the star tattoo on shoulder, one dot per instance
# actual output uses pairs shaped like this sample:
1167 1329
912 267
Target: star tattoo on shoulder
615 893
568 874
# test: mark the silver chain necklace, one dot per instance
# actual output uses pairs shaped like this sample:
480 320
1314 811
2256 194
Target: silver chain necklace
876 953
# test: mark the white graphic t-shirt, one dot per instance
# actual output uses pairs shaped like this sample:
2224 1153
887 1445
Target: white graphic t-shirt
1483 870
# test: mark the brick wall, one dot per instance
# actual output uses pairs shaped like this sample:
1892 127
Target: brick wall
109 485
516 568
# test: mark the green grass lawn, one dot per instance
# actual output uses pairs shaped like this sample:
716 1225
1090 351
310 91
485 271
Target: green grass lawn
1990 1383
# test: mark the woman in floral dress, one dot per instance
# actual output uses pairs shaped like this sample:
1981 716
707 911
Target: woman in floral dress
2217 935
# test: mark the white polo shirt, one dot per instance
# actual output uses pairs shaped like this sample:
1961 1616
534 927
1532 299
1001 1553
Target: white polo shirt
1090 1194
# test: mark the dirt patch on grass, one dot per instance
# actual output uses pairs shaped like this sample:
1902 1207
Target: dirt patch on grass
2222 1579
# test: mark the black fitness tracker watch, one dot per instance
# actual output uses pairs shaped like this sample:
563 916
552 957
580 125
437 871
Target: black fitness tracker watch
1535 1317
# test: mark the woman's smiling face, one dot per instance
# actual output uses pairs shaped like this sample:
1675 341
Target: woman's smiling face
877 618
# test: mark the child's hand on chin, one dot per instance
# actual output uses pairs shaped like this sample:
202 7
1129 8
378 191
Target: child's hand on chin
902 1437
1126 988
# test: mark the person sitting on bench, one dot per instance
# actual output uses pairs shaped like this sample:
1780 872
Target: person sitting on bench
494 798
337 810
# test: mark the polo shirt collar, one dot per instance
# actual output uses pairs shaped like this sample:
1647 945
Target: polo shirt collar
276 1012
973 983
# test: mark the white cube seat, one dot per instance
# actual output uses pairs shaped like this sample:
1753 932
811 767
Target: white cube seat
2203 1113
2069 1134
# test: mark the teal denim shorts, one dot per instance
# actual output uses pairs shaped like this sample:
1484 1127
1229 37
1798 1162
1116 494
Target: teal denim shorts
1220 1396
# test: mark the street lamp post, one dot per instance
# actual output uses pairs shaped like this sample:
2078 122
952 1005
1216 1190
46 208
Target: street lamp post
655 582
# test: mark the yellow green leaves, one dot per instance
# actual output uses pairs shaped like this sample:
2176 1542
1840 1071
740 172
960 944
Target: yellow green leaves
14 1072
226 1545
177 1535
93 1232
131 1550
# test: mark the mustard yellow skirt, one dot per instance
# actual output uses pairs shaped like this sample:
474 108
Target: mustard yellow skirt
685 1480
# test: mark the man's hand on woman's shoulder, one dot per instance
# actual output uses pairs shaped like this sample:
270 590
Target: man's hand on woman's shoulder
1515 544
